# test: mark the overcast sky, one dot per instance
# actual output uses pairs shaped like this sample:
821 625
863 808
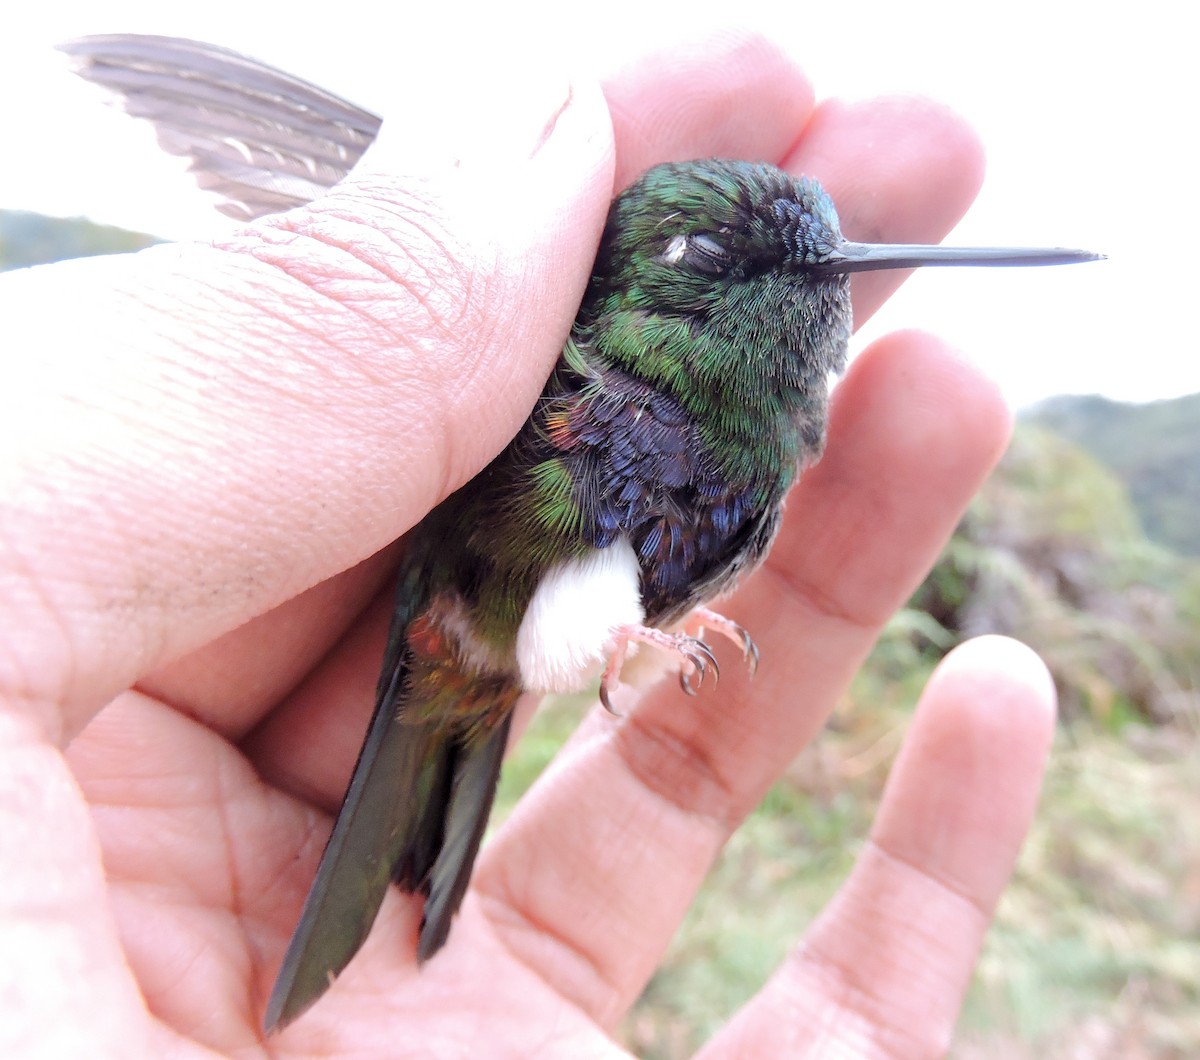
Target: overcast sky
1089 119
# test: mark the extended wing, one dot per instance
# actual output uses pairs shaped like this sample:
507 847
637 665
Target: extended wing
260 139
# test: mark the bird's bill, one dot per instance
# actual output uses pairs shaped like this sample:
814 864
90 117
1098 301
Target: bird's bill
865 257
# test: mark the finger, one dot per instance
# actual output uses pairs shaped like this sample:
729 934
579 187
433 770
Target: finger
229 683
900 170
733 94
211 430
308 746
885 968
629 822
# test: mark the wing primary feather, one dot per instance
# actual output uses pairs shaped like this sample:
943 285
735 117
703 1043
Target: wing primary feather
260 139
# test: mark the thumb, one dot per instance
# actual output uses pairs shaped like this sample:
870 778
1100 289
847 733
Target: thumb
203 431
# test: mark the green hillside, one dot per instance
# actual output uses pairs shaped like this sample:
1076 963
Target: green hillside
1153 448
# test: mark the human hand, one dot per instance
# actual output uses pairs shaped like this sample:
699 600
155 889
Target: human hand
211 449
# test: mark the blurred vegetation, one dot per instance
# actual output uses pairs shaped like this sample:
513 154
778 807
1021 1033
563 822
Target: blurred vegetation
1095 951
1052 552
33 239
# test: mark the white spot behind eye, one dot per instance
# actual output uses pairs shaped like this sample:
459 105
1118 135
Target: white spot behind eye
675 250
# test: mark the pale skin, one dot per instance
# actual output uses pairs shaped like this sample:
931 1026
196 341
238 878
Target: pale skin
206 455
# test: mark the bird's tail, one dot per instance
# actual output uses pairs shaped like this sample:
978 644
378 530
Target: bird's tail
416 808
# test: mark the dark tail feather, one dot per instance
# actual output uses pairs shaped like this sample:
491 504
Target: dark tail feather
388 818
389 826
472 791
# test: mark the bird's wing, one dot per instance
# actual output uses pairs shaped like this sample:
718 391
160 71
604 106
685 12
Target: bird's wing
643 470
260 139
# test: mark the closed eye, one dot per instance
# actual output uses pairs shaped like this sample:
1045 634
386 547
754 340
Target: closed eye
701 253
705 255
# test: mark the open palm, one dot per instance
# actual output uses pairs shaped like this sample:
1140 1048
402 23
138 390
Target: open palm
210 455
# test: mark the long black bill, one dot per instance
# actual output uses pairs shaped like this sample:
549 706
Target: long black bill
865 257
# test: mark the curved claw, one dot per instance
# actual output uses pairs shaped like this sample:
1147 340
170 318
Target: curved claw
604 700
730 630
738 635
695 656
749 652
701 658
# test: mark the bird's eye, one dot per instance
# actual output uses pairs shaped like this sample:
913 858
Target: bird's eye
706 255
701 253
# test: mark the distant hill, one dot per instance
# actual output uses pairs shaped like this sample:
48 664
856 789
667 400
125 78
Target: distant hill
1154 449
34 239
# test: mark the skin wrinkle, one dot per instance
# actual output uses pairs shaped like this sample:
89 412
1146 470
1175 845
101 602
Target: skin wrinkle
226 798
263 368
364 245
552 122
197 375
499 908
171 976
264 319
17 685
314 358
343 229
936 878
448 317
811 956
282 310
52 704
851 995
317 824
292 258
385 288
689 778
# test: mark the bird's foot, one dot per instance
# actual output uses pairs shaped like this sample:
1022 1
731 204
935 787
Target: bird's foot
695 657
703 619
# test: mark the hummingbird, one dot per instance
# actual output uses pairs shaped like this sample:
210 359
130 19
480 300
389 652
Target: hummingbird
647 480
